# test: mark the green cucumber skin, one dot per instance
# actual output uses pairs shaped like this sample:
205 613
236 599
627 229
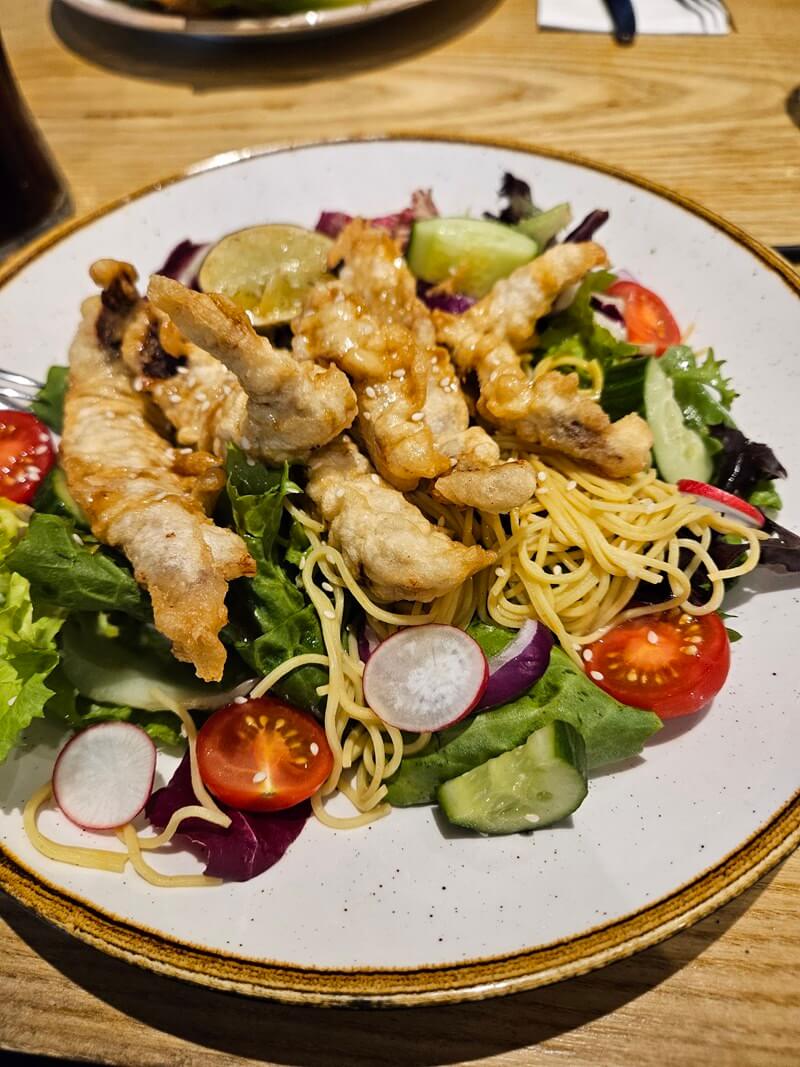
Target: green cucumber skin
480 252
679 450
611 731
543 227
528 788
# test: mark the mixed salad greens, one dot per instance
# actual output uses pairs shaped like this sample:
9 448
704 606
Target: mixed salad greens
77 641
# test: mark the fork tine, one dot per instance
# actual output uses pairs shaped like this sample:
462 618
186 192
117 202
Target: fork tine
17 405
19 379
8 392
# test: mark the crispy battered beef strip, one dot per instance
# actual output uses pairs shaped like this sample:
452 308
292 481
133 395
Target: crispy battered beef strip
147 498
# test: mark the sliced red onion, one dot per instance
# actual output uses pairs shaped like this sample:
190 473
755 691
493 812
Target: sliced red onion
367 640
183 263
608 314
522 662
588 227
398 223
455 303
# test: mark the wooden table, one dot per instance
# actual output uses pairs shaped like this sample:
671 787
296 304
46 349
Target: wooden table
705 115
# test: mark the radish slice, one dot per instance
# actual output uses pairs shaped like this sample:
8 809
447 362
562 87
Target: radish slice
425 677
103 776
521 663
726 503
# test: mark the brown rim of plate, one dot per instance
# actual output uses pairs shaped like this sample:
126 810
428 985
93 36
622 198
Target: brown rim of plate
472 979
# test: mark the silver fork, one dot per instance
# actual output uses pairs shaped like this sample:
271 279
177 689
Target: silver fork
712 14
18 390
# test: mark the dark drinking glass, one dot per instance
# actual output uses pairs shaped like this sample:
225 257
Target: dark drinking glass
33 195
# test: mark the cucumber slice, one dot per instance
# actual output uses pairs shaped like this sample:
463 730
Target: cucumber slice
266 270
679 450
543 227
54 497
529 787
475 253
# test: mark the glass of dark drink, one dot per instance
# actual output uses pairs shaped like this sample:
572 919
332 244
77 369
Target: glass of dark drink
33 194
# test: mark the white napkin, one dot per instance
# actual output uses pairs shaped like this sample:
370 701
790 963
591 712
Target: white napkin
652 16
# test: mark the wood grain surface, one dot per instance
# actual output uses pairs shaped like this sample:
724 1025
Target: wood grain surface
707 116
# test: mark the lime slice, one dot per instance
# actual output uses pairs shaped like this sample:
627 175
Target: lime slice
266 270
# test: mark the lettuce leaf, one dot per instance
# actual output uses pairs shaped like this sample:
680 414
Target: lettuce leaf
702 390
273 619
575 329
74 572
68 706
48 404
28 652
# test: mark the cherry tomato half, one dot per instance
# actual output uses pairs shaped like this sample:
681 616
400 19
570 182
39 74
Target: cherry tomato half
26 455
263 755
672 663
648 320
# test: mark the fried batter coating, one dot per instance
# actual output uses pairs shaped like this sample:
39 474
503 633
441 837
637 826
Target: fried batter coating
550 412
145 498
385 540
289 408
414 419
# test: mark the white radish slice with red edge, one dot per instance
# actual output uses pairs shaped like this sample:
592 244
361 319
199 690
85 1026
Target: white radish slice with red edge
104 775
424 678
725 503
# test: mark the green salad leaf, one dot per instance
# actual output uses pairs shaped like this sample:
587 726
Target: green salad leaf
272 619
48 404
575 330
702 390
69 706
28 652
610 730
73 572
765 496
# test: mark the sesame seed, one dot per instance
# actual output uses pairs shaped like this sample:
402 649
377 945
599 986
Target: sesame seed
245 442
543 490
453 462
240 700
652 637
327 587
329 614
588 655
313 748
174 398
11 701
259 777
542 476
571 485
77 539
630 574
418 416
558 569
339 494
370 392
365 415
375 479
399 374
596 675
500 572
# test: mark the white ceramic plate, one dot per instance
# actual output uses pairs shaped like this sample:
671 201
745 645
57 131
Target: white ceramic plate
400 912
301 24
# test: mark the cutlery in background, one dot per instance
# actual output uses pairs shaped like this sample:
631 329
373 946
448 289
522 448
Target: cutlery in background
624 19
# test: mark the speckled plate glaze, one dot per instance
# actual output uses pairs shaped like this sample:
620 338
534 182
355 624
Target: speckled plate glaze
323 20
407 912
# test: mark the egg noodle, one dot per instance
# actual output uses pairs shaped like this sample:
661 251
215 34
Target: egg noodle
572 557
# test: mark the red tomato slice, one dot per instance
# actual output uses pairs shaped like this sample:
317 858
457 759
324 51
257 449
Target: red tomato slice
648 320
26 455
263 755
672 663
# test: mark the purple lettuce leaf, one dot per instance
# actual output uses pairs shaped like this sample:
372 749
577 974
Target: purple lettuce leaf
518 198
588 227
253 842
455 303
742 463
398 223
183 263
